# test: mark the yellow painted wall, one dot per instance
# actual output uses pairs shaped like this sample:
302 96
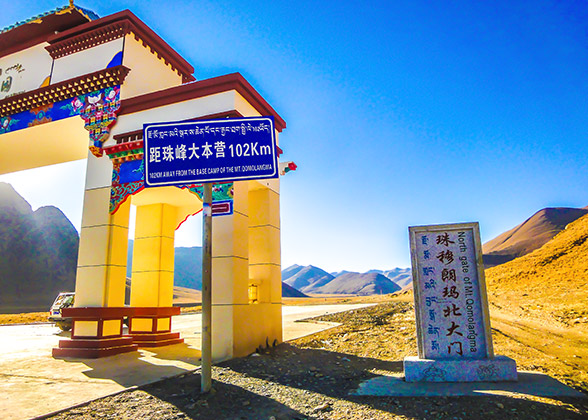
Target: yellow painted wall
148 73
101 272
246 250
111 327
153 255
86 328
142 324
253 324
34 66
163 324
40 144
85 61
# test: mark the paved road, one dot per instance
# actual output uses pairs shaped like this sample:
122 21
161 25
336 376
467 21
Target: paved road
33 383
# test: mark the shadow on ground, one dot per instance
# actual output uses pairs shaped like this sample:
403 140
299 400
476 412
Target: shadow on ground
142 367
226 401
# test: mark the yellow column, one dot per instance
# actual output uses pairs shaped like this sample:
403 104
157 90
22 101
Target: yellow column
153 256
230 277
102 257
100 283
265 260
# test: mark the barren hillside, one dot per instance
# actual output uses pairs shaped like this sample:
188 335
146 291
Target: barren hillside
549 284
530 235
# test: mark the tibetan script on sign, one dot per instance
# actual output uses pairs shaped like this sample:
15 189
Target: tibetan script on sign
450 292
225 150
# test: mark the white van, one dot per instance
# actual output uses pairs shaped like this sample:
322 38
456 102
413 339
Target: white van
63 300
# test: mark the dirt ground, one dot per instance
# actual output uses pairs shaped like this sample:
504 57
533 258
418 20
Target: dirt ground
24 318
33 317
311 378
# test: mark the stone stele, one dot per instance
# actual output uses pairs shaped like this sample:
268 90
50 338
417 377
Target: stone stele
452 319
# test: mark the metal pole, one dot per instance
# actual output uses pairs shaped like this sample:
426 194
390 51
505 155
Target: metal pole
206 361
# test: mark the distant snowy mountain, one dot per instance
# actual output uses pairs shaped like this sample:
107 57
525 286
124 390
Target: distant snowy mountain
311 279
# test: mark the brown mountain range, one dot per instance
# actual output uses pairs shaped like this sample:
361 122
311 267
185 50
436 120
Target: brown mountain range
530 235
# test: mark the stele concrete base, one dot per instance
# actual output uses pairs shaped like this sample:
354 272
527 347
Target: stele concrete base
498 369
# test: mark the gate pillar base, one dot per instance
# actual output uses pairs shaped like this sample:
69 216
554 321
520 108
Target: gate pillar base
96 332
151 326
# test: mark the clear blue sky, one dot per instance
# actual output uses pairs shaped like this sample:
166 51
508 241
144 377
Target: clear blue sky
399 112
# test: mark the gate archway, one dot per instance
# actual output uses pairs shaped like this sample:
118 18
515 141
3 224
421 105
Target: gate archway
82 87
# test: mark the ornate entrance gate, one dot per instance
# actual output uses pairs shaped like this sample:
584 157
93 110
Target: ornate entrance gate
77 86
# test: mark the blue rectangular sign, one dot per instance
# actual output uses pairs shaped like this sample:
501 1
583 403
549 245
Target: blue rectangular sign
195 152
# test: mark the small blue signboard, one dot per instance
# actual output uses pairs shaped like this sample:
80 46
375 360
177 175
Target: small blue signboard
195 152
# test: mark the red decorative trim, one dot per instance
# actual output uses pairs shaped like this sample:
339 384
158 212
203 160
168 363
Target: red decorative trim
113 312
154 338
67 89
93 349
121 23
234 81
188 216
88 40
123 147
131 136
100 328
115 209
110 342
96 312
147 312
157 340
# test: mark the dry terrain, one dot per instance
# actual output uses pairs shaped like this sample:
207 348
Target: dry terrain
312 377
539 318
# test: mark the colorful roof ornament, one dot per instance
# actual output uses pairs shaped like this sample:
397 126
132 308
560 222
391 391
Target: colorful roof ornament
59 11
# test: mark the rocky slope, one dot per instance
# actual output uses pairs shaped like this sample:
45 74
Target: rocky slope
289 291
38 253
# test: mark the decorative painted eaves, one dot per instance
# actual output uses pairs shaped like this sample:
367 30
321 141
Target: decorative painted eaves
67 89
